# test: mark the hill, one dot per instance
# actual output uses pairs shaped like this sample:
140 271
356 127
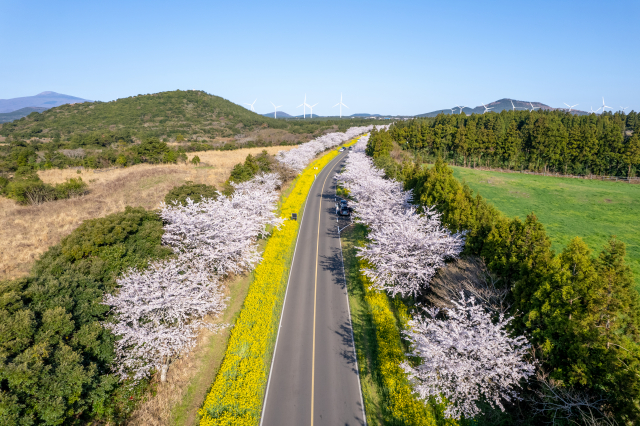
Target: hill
41 100
194 114
22 112
281 114
497 106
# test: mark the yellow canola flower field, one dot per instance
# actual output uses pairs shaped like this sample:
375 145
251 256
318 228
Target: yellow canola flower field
238 390
400 406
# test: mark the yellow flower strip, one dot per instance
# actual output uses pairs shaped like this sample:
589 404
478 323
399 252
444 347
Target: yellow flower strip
400 406
238 390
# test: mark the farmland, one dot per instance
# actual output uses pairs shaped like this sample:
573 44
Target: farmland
591 209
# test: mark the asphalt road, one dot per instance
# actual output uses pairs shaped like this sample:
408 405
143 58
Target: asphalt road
314 377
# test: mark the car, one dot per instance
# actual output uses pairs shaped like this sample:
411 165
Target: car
350 148
341 149
344 211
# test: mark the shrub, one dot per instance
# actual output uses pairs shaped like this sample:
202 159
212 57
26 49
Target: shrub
243 172
71 188
54 353
31 190
195 191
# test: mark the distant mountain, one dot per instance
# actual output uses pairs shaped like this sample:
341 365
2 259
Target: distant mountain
498 106
41 100
22 112
281 114
365 115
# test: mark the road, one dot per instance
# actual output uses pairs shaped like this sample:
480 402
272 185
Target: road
314 377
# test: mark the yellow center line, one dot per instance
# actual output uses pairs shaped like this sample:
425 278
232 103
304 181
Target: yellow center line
315 292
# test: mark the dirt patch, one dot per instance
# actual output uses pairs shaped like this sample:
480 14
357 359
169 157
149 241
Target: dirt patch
608 201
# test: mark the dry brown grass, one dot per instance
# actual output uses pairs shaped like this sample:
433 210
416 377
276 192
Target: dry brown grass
28 231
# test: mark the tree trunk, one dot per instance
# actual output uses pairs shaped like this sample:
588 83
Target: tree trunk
163 370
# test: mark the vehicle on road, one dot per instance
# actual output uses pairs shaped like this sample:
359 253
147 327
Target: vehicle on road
342 208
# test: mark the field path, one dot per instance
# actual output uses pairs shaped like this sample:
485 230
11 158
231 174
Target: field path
314 377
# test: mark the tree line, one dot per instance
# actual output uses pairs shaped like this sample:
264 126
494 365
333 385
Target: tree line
541 141
578 308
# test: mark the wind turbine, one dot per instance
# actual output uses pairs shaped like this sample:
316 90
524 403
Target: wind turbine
604 106
275 112
513 106
594 112
251 105
461 107
485 108
341 105
311 108
451 110
623 108
304 105
532 107
570 106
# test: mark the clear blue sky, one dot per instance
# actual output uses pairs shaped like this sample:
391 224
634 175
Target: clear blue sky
392 57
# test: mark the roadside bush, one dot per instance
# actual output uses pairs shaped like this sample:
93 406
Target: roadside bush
54 353
195 191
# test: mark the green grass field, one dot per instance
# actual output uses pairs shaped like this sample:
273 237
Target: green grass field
591 209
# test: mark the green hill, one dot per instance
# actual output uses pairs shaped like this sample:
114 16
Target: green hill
22 112
193 114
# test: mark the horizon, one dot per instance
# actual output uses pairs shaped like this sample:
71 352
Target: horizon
412 59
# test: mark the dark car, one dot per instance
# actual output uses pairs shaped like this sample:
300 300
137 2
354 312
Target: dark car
343 209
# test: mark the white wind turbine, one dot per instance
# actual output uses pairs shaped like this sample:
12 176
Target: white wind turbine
570 106
486 109
275 112
461 108
341 105
513 106
304 105
604 106
251 105
311 108
532 107
623 108
451 110
594 112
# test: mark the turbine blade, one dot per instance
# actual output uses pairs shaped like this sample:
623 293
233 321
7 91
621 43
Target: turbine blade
336 105
345 106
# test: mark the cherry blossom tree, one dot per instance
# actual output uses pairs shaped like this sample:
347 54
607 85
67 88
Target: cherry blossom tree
407 246
159 311
298 158
408 250
221 233
158 314
466 357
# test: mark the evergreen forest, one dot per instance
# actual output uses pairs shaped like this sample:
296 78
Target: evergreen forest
542 141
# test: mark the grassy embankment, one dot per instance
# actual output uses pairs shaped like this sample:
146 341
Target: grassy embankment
238 390
377 323
591 209
28 231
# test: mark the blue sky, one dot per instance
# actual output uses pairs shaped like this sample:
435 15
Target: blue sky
400 57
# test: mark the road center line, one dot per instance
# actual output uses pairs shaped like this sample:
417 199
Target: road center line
315 292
